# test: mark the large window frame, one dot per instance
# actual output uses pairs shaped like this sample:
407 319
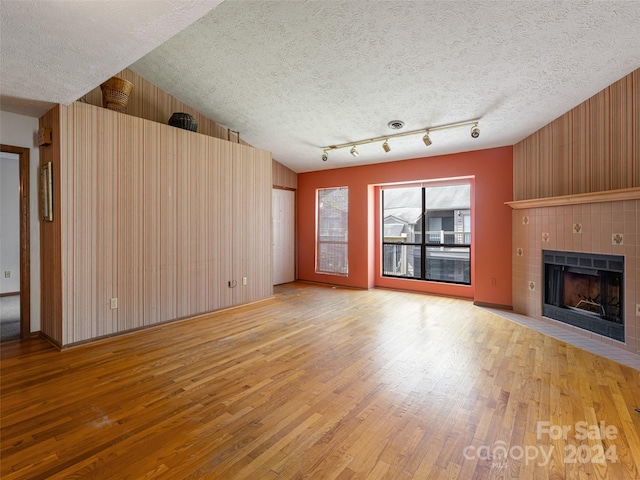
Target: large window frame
332 231
422 251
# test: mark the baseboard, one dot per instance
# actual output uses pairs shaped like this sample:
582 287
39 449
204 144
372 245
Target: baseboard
493 305
132 331
50 340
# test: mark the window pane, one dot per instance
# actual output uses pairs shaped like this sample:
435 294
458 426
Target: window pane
332 258
442 214
402 212
402 260
333 234
448 214
448 264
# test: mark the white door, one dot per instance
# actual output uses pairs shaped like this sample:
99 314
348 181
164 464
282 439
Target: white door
284 251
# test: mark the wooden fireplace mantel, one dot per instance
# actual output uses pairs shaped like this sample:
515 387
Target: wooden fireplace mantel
577 199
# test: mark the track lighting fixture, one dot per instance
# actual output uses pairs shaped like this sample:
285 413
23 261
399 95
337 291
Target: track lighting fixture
395 124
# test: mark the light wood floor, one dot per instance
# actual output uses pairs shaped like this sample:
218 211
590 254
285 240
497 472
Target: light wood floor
320 383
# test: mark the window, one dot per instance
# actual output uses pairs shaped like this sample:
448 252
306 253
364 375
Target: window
332 230
427 233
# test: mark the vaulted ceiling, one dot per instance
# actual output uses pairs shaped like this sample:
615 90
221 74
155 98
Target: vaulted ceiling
295 76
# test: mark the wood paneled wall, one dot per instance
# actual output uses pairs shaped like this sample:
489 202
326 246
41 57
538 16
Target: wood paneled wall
284 177
593 147
158 217
50 246
152 103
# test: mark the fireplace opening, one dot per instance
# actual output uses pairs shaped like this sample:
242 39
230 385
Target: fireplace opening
586 291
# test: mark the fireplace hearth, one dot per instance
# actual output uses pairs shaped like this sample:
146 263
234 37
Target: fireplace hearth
585 290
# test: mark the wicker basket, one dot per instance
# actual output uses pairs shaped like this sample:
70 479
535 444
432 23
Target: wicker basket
115 93
183 120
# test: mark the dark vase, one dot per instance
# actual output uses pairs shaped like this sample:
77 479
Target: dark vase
184 121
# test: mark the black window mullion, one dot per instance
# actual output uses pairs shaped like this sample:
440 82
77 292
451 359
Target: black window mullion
445 268
423 247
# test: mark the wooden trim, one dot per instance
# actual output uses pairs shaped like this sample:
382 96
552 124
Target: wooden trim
9 294
278 187
51 252
497 306
595 197
110 336
51 340
25 255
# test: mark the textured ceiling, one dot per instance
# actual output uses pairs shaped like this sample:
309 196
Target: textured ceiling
56 51
294 76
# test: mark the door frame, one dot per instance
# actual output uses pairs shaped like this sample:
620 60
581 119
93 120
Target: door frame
25 252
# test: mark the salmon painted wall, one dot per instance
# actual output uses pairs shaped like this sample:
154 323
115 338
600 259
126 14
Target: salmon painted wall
492 185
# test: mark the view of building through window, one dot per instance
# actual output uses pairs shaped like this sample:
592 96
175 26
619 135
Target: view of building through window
427 233
332 253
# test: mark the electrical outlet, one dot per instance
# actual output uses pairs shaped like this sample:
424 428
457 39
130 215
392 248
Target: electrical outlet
493 282
7 274
244 280
638 309
114 303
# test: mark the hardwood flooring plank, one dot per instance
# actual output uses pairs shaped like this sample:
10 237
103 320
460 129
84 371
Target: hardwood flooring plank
319 383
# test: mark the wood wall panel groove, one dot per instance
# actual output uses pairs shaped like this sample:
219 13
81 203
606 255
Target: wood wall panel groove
621 120
545 154
152 103
139 223
599 141
159 218
581 167
593 147
634 146
561 161
283 176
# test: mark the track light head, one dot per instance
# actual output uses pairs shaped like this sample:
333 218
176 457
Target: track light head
426 139
386 146
325 156
475 131
353 151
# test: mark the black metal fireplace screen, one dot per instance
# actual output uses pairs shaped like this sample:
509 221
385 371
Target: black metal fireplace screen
585 290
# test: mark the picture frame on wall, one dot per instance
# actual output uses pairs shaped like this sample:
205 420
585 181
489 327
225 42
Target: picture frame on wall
46 191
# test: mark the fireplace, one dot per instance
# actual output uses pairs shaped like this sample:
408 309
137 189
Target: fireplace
585 290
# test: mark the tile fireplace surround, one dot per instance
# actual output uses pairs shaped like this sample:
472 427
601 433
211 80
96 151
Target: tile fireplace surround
603 222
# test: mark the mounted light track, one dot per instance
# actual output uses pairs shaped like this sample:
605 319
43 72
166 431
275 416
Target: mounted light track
475 133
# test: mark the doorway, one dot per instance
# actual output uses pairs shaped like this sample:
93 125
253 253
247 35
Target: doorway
21 155
284 251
